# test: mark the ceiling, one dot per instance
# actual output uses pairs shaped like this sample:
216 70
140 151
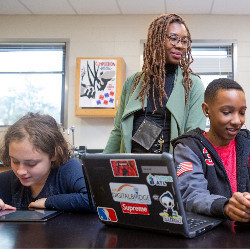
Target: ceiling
123 7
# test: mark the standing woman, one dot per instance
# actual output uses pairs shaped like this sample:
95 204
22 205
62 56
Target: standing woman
164 99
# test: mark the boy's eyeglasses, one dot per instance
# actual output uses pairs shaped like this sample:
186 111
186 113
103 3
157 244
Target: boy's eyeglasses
175 39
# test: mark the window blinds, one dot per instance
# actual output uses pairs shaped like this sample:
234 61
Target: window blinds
213 60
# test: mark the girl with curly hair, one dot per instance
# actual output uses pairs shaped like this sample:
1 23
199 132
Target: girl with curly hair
42 175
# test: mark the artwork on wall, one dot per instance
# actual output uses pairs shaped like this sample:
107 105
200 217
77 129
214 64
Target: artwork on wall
97 83
98 86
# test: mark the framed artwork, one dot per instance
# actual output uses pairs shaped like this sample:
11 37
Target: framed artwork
98 86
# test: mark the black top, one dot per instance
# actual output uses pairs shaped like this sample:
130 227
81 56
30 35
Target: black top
162 116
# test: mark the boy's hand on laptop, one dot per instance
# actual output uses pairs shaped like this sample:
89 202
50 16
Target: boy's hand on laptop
238 207
40 203
4 206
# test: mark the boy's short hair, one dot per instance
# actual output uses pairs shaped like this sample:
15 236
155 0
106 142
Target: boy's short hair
218 84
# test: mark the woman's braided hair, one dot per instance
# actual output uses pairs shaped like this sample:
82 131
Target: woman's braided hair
155 59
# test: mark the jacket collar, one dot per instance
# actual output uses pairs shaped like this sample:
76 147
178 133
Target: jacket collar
134 104
176 106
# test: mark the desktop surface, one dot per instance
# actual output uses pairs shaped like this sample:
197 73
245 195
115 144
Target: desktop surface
84 230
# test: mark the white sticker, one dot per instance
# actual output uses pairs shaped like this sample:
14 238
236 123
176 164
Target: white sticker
131 193
169 214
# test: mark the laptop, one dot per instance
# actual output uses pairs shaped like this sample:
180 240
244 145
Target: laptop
27 215
141 191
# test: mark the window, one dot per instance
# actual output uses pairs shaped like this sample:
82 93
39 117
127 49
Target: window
213 60
32 78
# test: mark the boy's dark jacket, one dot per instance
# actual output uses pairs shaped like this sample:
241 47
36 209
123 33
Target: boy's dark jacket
214 171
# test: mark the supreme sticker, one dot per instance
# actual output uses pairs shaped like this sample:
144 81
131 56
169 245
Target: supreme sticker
131 208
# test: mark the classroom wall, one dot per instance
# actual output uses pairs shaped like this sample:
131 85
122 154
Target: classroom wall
119 36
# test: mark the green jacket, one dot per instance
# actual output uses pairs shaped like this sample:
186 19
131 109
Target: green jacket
183 117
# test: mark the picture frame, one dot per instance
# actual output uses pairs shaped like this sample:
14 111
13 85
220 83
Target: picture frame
98 86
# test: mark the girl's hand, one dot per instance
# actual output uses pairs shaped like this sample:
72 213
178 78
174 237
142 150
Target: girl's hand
238 207
4 206
40 203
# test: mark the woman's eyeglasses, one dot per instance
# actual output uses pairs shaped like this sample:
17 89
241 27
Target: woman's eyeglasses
175 39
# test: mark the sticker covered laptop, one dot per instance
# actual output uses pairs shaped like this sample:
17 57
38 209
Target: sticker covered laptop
141 191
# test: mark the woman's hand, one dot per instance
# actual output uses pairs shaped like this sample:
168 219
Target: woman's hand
4 206
238 207
40 203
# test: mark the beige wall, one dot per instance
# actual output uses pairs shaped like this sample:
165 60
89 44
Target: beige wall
119 36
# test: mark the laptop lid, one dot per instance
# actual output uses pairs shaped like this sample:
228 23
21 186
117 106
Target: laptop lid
137 190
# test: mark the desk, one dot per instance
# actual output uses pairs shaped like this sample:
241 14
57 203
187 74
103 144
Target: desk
71 230
2 169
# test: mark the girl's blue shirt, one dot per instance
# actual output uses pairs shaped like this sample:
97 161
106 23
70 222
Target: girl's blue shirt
65 189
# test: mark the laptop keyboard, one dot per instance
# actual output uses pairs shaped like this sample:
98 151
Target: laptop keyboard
192 223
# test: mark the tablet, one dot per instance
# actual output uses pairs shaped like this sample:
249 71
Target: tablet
28 215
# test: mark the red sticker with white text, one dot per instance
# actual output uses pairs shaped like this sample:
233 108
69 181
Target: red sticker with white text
132 208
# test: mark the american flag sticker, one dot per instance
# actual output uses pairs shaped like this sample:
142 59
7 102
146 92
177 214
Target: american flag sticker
184 167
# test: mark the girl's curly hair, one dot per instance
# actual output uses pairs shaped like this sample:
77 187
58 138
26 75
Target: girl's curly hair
43 132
